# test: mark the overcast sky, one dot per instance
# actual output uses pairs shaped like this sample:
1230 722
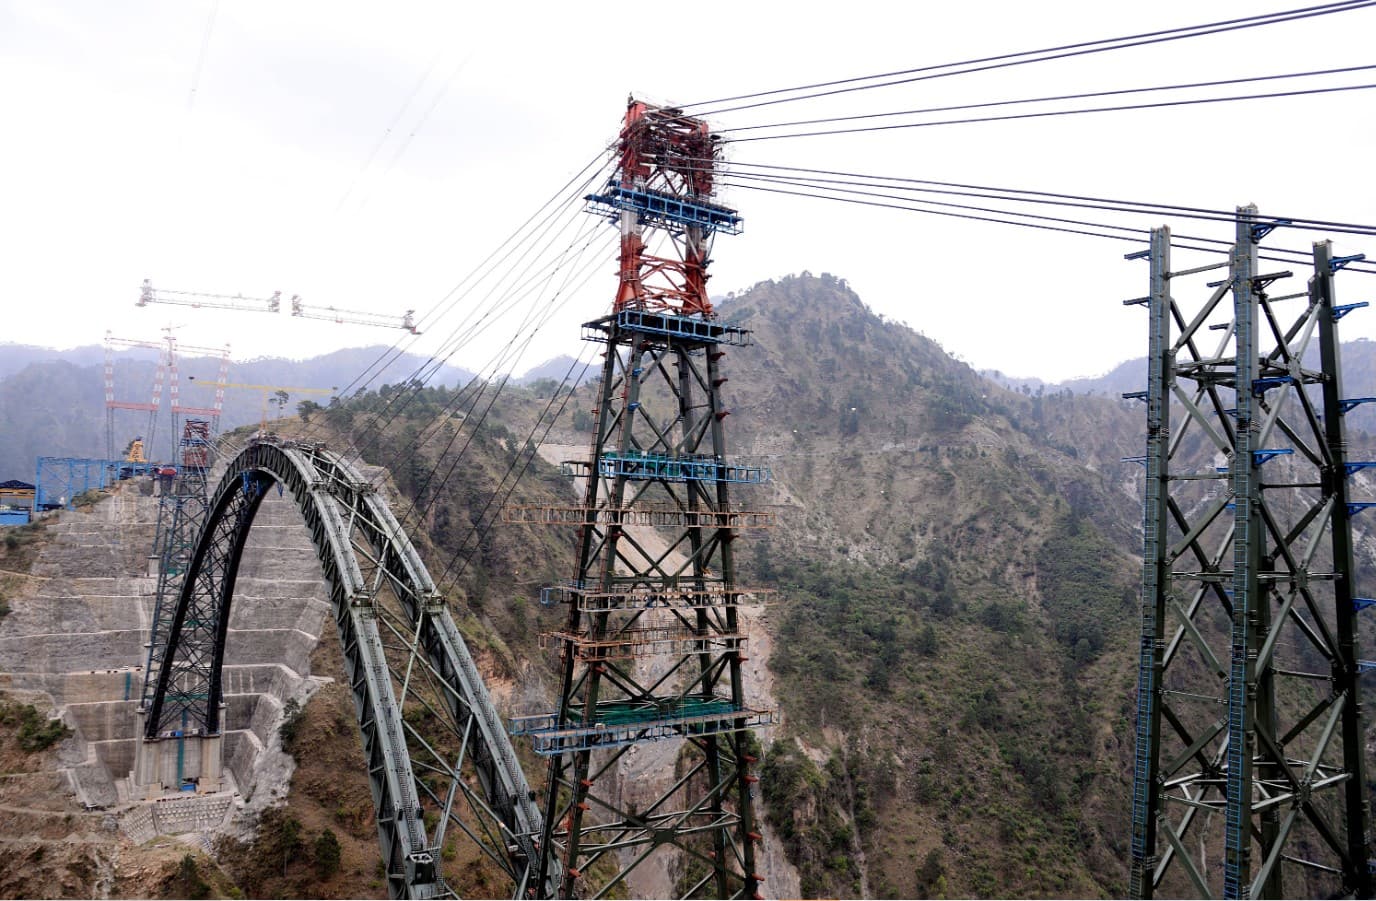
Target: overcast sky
244 146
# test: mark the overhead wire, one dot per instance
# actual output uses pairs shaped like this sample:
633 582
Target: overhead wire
1009 195
508 485
1064 199
422 121
520 239
201 55
1010 117
1020 58
1090 229
528 242
486 313
1050 99
501 369
387 132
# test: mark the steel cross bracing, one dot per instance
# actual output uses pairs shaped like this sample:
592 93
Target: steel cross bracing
653 645
1249 761
449 757
181 515
654 642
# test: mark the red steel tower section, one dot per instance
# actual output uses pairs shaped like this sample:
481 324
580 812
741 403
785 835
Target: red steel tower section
667 163
655 638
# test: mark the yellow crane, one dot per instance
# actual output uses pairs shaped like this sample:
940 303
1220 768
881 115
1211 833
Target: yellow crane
278 393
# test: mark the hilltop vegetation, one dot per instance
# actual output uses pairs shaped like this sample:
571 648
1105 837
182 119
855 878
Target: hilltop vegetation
954 629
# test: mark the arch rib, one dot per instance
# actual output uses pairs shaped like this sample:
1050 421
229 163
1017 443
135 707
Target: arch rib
400 646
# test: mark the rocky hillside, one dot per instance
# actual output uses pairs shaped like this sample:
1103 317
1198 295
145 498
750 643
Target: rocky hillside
52 403
952 649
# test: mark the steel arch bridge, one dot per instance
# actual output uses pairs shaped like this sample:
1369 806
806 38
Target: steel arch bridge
451 758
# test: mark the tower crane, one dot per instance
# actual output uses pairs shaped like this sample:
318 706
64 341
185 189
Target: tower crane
148 294
357 317
282 391
166 374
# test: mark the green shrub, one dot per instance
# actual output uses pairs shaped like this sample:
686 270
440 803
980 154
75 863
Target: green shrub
327 854
34 731
188 882
293 716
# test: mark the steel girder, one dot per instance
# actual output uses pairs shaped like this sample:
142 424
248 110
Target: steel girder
622 685
1249 727
449 756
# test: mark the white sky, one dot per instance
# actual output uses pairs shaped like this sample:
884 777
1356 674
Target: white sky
111 170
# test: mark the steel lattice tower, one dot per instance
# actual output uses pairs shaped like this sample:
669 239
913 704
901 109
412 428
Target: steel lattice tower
181 515
653 645
1249 724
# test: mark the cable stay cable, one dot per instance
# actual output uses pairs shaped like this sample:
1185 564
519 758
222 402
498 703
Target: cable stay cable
471 394
520 238
499 257
387 132
201 56
471 331
1021 195
855 191
505 362
1050 99
526 456
1087 232
1011 117
1009 212
1025 57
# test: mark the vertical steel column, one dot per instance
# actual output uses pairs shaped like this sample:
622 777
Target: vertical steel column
1156 581
1357 876
1248 539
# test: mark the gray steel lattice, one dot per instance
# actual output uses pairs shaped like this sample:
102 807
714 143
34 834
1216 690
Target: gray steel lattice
1249 727
401 649
659 443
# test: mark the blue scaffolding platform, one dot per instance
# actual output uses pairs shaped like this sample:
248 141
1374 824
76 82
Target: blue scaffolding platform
689 328
670 468
59 480
656 208
623 723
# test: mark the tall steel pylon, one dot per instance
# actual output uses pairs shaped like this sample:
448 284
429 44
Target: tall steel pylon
653 644
1249 759
182 511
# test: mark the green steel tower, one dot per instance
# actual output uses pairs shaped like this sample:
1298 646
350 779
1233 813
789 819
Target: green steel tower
1249 779
653 645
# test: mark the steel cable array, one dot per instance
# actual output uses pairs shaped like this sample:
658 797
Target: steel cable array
1019 58
529 267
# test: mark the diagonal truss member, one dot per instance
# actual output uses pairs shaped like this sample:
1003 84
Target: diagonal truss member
653 645
447 761
1249 775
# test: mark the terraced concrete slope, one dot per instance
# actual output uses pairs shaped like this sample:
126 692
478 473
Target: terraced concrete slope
77 637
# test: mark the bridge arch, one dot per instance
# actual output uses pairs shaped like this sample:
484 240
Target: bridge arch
401 650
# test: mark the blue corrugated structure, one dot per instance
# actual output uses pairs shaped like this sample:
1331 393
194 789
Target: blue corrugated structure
671 468
60 480
647 322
